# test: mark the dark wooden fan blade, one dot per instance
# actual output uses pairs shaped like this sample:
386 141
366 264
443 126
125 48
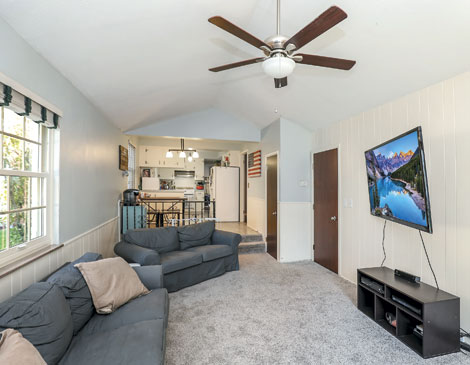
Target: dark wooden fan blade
237 32
320 25
236 64
278 83
308 59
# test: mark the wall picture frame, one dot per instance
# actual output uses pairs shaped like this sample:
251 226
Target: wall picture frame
146 173
123 158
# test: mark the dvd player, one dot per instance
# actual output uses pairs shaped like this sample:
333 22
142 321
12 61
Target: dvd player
406 304
379 288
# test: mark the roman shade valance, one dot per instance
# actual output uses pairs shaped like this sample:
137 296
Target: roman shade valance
24 106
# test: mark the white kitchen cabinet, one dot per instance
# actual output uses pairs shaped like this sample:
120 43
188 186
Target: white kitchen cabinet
166 173
143 161
199 195
153 156
199 169
196 165
149 156
175 162
189 165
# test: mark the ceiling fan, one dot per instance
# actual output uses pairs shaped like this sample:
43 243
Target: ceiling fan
279 59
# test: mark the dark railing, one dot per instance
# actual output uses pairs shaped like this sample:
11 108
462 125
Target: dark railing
154 212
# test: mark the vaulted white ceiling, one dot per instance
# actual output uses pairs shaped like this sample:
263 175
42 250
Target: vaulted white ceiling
145 61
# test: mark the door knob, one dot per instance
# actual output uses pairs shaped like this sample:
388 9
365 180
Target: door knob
274 213
333 218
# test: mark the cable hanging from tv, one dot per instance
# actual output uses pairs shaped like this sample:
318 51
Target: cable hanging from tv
429 261
383 244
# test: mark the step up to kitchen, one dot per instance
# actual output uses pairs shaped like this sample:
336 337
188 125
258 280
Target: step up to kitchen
252 237
252 247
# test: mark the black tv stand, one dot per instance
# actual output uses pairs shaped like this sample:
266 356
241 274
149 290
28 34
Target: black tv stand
436 311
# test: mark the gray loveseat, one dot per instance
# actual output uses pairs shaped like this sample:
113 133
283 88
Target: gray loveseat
188 254
58 317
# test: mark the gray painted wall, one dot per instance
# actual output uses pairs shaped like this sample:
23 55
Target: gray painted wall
210 123
90 182
270 142
294 143
295 161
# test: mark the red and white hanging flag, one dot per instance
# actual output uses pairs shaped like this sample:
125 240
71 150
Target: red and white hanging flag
254 164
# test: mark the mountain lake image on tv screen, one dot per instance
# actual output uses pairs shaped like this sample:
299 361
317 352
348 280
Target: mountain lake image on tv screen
396 180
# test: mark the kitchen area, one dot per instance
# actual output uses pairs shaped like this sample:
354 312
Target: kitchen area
182 185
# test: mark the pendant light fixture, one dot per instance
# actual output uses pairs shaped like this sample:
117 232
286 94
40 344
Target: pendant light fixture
182 152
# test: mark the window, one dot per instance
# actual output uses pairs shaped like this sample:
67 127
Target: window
131 166
24 181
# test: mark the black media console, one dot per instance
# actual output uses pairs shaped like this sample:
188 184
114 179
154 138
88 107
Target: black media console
427 319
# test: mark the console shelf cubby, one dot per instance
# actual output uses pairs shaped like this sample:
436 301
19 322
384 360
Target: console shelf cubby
435 311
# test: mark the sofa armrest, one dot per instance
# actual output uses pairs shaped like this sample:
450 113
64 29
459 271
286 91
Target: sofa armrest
226 238
133 253
151 276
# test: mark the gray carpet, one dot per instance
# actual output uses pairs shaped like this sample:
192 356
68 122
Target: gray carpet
270 313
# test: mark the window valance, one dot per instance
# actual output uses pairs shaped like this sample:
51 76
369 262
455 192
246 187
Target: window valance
24 106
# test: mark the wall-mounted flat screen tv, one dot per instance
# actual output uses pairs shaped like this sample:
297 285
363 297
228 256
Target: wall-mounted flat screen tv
398 187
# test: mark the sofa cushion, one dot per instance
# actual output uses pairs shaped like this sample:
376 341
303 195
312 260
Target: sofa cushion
87 257
159 239
42 315
179 260
112 283
196 234
212 252
151 306
75 290
15 349
138 343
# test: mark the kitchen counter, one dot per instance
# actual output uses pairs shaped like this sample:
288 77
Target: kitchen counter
177 193
164 191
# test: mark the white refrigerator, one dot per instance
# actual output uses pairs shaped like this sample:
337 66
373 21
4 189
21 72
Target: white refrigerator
225 190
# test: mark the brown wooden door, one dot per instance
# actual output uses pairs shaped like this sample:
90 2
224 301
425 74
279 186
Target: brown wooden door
245 190
271 205
325 176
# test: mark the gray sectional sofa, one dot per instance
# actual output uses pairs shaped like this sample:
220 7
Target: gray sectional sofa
58 317
188 254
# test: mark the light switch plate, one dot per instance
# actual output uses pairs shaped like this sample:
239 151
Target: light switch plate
302 183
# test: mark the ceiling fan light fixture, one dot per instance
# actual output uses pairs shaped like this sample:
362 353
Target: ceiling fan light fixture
278 66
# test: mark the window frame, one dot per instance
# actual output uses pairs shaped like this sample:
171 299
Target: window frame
131 171
11 254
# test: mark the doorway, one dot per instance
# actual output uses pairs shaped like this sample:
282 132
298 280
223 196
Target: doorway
271 205
325 200
245 187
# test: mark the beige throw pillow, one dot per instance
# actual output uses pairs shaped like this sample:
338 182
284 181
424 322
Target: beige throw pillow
17 350
112 283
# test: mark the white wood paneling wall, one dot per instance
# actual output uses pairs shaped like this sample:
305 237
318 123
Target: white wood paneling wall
100 239
294 236
256 214
443 111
